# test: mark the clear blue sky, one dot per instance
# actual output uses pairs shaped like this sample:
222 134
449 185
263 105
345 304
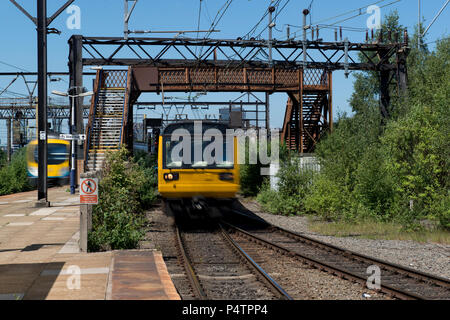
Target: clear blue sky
105 18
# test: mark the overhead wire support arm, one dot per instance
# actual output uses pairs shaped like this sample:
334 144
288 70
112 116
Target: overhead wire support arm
25 12
49 20
9 85
127 16
435 18
57 13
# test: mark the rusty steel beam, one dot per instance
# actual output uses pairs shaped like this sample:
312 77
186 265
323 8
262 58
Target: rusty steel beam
214 79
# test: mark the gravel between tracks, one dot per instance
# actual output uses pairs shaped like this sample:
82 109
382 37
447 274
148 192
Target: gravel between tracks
430 258
311 283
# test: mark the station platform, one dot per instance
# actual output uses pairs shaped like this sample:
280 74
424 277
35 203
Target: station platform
40 258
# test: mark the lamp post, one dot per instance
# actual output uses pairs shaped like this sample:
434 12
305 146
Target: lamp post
72 131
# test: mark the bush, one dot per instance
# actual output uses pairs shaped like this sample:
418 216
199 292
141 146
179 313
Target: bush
149 191
251 179
293 185
2 158
328 199
269 199
373 168
442 210
118 220
374 186
14 176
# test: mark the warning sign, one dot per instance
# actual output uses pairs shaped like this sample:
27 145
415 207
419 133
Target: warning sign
89 191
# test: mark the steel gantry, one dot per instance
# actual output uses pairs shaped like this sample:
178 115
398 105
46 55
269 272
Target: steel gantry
21 108
302 69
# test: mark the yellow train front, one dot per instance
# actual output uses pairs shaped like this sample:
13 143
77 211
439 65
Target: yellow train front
58 160
197 166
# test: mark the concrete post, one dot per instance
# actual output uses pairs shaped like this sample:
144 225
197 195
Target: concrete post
86 215
85 225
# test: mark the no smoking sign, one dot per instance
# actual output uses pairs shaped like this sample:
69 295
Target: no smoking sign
89 190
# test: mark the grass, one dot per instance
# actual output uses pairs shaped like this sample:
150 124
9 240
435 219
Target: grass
377 230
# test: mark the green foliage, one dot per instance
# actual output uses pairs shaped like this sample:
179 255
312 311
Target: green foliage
251 179
276 203
328 199
293 185
396 170
2 158
294 181
13 176
149 191
373 188
442 208
124 191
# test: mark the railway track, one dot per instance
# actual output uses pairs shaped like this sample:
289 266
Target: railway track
396 281
218 268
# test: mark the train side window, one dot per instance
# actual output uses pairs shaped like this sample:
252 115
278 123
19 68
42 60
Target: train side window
57 154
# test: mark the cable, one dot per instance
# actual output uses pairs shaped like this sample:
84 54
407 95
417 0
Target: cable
13 66
199 15
310 12
207 12
198 22
360 14
355 29
346 13
438 40
215 23
275 17
252 30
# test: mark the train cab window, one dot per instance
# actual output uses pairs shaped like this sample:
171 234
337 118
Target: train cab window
175 161
57 154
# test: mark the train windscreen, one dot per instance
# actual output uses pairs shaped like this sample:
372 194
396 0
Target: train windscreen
187 151
57 154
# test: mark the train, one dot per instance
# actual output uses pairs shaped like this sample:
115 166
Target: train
187 178
58 170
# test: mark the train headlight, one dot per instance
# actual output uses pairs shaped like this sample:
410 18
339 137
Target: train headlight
226 176
171 176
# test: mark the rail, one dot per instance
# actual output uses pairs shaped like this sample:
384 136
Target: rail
441 285
268 279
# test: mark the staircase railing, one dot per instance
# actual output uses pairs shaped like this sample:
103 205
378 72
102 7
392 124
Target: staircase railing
92 111
126 110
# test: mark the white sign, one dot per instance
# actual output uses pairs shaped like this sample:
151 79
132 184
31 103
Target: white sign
89 190
81 137
42 135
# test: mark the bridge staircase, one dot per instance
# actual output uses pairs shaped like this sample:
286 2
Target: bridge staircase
109 117
308 112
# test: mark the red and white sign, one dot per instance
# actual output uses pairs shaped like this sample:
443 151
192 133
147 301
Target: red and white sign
89 190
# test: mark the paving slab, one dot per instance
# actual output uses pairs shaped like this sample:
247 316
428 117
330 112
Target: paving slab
40 257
